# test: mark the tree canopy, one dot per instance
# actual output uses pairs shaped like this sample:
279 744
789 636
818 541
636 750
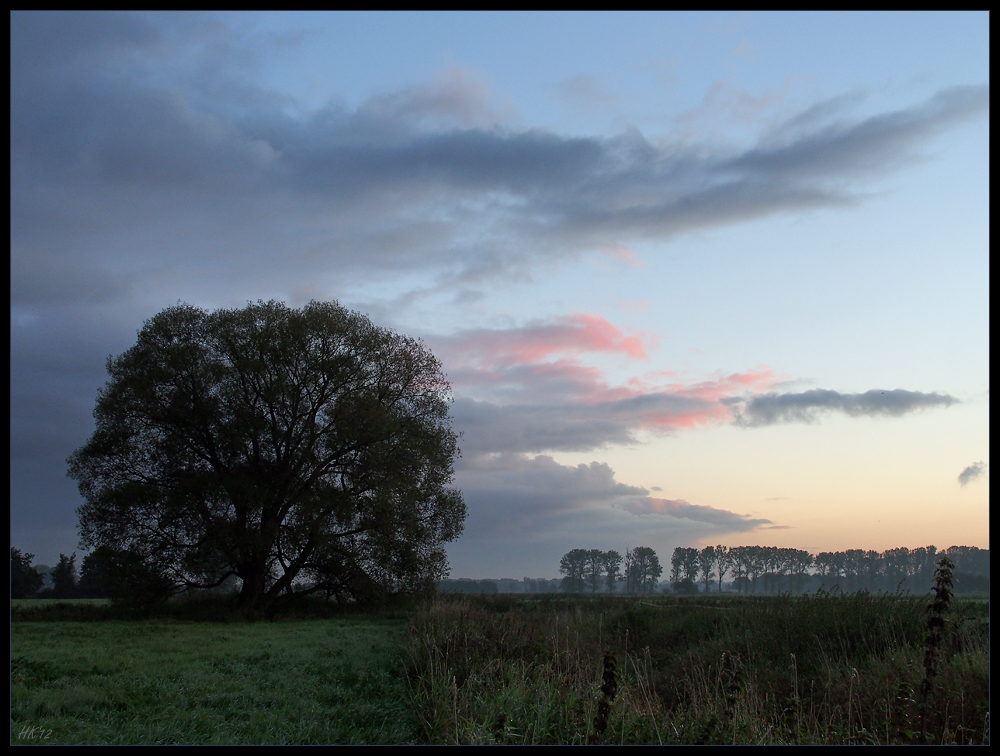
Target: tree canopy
592 569
295 449
25 580
642 570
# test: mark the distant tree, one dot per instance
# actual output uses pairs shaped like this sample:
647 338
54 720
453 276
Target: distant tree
612 569
897 563
90 585
724 561
282 446
628 572
684 567
830 565
706 559
594 569
737 565
677 565
925 563
799 561
643 570
25 580
691 564
754 565
574 565
64 579
969 560
853 567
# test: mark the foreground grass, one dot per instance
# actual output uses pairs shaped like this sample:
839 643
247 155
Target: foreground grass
301 681
821 669
705 669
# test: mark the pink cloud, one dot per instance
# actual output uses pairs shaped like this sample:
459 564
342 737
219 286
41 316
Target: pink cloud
650 505
539 365
572 335
695 403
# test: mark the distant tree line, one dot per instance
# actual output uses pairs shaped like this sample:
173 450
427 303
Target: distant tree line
768 569
105 573
593 570
26 581
125 578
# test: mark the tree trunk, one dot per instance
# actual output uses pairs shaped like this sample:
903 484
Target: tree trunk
252 600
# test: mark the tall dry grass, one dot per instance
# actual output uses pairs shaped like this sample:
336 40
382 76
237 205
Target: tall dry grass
817 669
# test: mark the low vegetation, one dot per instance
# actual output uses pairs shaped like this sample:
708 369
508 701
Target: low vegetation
823 668
818 669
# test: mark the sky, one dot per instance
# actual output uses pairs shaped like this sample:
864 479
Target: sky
695 279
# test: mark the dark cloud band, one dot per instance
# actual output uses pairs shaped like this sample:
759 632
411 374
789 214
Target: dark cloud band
805 407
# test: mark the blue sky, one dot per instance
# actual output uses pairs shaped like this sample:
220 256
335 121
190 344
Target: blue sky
696 278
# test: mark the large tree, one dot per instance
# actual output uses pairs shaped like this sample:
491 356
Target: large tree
295 449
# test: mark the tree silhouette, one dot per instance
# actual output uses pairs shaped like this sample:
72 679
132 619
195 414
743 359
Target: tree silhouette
642 570
25 580
64 579
276 445
574 566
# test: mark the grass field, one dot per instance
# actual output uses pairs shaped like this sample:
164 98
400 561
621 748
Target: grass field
505 669
300 681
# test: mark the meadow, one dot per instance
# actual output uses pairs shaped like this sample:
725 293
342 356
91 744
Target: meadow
510 669
335 680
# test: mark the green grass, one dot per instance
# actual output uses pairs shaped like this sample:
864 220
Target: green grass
301 681
703 669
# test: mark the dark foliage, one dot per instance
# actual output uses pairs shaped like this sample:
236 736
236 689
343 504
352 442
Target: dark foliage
298 450
64 578
25 580
685 587
124 577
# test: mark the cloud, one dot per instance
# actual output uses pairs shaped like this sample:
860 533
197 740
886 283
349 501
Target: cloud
150 162
817 149
525 511
568 407
122 122
520 492
970 473
575 334
771 408
455 98
720 518
526 389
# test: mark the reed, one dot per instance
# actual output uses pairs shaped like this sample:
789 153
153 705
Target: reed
823 669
